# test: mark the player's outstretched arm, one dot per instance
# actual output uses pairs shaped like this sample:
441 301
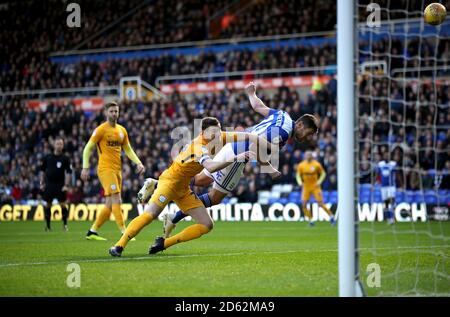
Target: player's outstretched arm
256 103
212 166
261 143
86 155
134 158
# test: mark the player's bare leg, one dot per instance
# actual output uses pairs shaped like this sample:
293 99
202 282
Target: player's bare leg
151 212
204 225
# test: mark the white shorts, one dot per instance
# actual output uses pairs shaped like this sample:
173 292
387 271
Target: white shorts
387 192
228 178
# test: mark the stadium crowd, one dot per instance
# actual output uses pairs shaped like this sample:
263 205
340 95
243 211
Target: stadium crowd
109 72
40 28
34 29
27 134
44 75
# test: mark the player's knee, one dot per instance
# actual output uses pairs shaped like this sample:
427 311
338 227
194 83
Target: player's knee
153 210
115 198
215 197
209 224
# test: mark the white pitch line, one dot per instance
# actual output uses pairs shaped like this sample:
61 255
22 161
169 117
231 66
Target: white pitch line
3 265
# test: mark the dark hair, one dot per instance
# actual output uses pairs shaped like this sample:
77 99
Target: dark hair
309 122
111 104
209 122
59 138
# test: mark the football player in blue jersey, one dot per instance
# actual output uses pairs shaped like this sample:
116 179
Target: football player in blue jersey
387 171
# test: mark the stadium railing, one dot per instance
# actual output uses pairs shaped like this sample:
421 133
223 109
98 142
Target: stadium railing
258 39
329 69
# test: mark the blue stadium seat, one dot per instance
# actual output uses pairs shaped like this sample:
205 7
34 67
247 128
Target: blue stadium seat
399 196
444 196
273 200
431 199
419 197
333 197
377 196
295 195
283 200
365 199
365 190
409 196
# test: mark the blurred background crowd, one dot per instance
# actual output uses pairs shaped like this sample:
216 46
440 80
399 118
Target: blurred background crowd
415 133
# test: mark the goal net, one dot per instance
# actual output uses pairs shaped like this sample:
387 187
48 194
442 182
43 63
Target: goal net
402 140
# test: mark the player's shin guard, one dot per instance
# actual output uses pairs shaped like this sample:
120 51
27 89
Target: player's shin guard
101 218
190 233
134 228
117 212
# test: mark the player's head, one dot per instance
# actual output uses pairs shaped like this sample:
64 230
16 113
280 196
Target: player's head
58 144
211 128
309 156
305 127
386 156
112 111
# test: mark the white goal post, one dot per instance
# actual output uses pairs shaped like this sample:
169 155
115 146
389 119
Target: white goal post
347 239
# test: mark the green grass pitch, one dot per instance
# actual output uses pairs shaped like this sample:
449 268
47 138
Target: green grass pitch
235 259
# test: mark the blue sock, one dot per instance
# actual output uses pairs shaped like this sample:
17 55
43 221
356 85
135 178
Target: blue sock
205 200
178 216
390 214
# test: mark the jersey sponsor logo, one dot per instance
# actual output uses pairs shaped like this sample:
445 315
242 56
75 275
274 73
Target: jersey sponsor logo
312 168
113 187
121 135
162 198
112 143
58 164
